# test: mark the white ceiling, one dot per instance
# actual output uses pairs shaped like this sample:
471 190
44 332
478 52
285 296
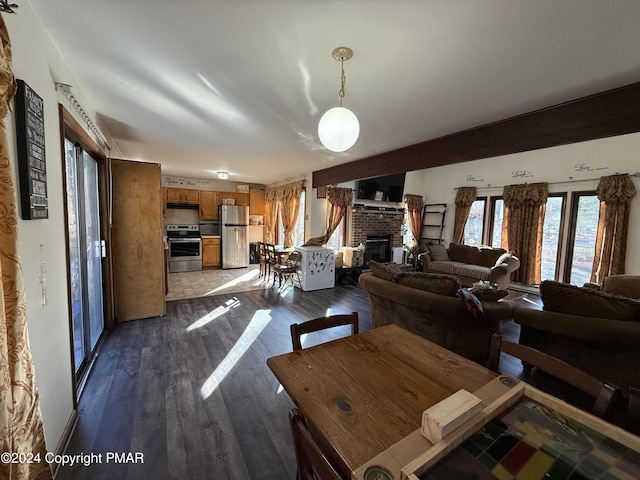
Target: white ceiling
204 85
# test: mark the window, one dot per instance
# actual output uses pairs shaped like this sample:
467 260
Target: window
474 228
584 226
551 230
497 215
298 232
337 239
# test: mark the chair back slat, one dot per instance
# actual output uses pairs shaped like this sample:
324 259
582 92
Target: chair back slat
312 463
605 395
322 323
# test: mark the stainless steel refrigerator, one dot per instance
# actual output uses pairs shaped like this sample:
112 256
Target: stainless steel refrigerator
234 236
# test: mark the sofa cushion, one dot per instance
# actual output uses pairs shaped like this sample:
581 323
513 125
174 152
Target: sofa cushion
462 269
489 294
462 253
446 285
386 271
487 257
623 285
438 253
565 298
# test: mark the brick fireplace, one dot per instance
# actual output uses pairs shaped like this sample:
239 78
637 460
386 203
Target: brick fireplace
376 223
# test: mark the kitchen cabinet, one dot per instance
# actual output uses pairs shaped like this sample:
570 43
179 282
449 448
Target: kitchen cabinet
256 202
137 240
240 198
210 252
209 202
183 195
163 196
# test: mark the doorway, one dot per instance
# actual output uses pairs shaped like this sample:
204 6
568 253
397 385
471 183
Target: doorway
86 250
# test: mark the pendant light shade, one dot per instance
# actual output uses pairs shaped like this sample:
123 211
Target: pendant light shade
338 129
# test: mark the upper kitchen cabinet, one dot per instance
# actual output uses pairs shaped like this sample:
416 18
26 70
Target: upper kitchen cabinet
209 202
256 202
183 195
240 198
164 201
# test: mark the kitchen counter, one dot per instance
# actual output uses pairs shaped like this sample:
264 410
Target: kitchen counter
210 236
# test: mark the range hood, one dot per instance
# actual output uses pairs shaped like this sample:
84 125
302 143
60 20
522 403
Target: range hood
183 206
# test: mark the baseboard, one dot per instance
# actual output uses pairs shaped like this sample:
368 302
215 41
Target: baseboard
66 436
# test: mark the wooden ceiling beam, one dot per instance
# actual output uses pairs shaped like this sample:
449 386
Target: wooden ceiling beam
606 114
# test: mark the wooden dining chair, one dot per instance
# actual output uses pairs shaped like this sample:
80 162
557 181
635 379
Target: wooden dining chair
272 259
605 395
322 323
633 411
287 268
312 463
262 259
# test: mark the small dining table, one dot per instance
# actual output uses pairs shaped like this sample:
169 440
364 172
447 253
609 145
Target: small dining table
363 393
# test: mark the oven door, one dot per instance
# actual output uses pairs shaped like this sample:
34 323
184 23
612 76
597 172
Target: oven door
185 254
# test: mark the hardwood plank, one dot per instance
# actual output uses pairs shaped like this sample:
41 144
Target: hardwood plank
144 393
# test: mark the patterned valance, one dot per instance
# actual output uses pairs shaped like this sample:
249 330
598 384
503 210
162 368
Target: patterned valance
414 202
282 192
527 193
465 196
340 197
615 188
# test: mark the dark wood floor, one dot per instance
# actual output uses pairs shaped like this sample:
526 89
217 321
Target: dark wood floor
192 392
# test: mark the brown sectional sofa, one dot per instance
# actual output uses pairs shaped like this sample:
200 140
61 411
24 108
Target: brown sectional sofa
433 311
595 330
471 264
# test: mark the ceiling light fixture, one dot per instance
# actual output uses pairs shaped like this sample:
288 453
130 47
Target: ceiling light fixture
339 128
223 175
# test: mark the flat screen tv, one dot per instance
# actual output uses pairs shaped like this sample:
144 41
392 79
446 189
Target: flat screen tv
387 189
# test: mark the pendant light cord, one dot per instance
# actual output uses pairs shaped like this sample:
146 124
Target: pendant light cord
343 78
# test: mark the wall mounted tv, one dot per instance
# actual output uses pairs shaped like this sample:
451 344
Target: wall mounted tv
387 189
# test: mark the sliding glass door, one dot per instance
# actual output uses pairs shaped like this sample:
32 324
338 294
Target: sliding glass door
85 254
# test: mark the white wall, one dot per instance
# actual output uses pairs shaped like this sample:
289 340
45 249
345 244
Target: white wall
38 63
568 168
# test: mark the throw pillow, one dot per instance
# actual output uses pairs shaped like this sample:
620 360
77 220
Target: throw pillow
623 285
462 253
438 283
564 298
471 302
487 257
489 294
503 258
386 271
438 253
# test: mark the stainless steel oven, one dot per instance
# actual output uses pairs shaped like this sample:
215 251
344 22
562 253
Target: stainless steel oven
185 248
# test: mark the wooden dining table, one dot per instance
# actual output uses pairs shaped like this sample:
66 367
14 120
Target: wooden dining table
363 393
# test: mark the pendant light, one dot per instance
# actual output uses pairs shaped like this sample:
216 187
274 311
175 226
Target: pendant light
339 128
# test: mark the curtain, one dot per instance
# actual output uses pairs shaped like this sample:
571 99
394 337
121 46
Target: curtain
615 193
415 205
524 208
340 200
21 428
464 199
289 208
270 214
286 200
